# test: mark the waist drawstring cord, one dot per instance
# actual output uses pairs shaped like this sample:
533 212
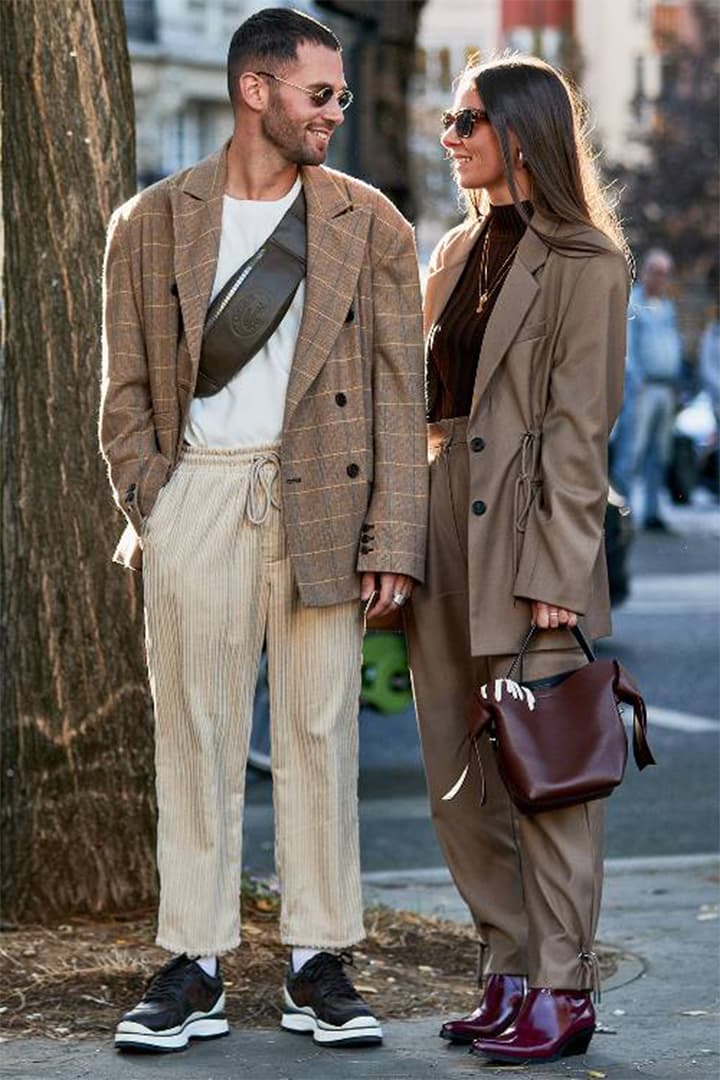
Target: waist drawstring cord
525 489
264 471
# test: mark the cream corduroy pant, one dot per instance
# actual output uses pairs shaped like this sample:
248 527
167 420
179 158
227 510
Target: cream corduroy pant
218 581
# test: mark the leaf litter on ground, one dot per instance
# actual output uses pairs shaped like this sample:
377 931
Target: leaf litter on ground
72 981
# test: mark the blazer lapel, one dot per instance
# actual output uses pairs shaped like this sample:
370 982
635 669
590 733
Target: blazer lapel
197 215
516 296
336 242
442 280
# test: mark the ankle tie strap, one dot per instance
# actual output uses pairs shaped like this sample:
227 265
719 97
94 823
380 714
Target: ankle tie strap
591 960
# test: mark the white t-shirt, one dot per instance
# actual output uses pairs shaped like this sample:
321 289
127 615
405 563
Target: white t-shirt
249 410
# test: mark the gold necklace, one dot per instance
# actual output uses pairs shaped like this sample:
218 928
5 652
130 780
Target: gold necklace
486 290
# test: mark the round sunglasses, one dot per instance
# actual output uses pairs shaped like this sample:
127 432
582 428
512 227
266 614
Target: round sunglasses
319 97
464 121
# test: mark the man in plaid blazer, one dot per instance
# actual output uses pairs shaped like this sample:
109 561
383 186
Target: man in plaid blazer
263 513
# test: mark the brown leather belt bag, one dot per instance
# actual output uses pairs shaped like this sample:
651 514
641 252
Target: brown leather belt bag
252 303
561 740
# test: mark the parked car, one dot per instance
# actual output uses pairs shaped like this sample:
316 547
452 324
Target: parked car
695 451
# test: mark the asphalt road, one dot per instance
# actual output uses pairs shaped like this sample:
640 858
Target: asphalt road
668 635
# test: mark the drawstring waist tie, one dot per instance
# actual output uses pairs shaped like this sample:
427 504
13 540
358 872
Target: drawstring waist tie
262 464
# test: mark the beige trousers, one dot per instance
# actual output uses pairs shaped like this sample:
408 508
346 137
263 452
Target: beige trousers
218 581
532 883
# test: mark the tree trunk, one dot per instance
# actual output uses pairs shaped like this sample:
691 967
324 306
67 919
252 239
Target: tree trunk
76 804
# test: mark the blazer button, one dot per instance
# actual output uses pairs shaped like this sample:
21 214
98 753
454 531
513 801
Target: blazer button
478 443
353 470
365 550
341 399
479 507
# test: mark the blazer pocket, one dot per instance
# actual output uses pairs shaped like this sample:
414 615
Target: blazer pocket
531 330
159 498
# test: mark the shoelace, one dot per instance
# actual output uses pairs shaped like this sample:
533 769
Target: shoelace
329 968
165 982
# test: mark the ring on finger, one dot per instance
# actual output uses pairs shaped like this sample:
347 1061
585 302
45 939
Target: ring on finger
399 599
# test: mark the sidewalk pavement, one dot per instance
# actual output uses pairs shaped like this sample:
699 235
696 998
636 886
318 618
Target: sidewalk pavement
659 1013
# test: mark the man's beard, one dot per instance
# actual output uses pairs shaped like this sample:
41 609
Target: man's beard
287 137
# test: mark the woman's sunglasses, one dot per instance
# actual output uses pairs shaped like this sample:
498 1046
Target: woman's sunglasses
464 120
319 97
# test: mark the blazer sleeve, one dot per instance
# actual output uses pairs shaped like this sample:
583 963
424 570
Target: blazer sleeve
137 469
396 519
564 529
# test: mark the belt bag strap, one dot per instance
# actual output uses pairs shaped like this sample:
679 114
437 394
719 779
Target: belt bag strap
251 305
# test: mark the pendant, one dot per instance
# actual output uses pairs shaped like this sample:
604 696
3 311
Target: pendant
482 302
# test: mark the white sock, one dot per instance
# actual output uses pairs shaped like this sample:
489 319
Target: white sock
301 956
208 964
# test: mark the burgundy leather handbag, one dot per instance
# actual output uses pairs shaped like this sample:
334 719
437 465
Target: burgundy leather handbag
560 740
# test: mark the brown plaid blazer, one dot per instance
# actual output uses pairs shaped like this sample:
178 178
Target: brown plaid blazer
354 458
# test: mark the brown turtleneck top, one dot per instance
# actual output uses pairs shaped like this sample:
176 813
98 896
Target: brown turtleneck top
457 334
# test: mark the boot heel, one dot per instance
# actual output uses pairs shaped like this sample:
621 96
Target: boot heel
578 1044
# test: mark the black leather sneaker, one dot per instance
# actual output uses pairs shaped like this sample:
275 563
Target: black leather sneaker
180 1003
321 1001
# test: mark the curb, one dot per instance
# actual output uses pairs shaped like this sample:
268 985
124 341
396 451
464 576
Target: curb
439 875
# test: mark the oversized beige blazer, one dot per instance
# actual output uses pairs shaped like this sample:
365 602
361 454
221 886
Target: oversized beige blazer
547 392
354 459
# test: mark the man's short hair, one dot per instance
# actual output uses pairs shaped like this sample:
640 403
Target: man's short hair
271 36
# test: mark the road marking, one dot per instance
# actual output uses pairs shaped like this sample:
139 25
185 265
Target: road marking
677 584
668 607
408 808
679 721
672 594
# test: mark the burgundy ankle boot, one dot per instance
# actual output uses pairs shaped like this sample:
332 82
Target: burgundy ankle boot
499 1006
551 1024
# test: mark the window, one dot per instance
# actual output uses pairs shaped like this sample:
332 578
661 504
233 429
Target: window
141 20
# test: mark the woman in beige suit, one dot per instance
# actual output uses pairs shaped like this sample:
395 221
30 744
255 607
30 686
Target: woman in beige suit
525 322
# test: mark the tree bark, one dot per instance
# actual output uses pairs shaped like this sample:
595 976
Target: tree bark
76 802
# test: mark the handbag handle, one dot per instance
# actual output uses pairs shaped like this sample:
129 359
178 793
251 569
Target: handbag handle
575 631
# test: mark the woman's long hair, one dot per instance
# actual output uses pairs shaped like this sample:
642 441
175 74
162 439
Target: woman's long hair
526 95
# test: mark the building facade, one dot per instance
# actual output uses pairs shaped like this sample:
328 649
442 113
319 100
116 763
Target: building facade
613 51
178 54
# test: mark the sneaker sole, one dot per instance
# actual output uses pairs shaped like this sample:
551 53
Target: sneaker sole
132 1036
360 1031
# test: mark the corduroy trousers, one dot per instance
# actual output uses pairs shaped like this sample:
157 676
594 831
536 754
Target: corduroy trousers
533 883
218 582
